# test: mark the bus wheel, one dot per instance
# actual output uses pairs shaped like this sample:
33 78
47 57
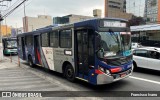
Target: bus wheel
30 61
69 73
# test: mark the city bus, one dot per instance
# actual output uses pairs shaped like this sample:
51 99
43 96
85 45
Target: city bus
97 51
9 45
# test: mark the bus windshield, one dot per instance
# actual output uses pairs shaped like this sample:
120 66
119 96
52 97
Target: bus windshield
113 44
11 44
126 40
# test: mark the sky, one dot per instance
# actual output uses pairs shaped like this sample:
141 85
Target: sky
56 8
53 8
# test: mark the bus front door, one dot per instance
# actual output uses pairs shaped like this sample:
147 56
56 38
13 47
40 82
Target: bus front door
37 50
23 48
82 53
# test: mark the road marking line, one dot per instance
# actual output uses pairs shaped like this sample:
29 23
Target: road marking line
147 80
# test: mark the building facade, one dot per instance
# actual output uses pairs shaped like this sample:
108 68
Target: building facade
70 19
136 7
116 9
147 35
33 23
5 30
97 13
152 11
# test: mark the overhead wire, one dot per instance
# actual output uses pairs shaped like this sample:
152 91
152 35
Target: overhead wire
8 13
17 11
6 7
1 4
12 6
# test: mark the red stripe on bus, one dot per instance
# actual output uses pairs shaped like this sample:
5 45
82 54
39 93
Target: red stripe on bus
39 57
98 72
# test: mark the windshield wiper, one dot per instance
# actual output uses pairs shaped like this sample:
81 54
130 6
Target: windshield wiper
116 39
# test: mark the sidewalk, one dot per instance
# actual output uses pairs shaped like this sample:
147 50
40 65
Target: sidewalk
14 78
7 64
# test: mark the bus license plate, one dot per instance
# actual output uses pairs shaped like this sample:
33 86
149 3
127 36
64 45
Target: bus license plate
123 75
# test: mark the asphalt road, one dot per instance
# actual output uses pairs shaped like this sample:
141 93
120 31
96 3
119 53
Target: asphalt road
141 80
151 81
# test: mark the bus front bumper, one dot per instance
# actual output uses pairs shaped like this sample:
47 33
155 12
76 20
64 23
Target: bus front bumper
106 79
11 51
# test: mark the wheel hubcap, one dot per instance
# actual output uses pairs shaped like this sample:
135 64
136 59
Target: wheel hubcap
69 73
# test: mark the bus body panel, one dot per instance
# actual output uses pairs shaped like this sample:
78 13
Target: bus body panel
48 54
60 58
62 55
54 58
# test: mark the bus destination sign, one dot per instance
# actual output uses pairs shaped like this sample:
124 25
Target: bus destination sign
106 23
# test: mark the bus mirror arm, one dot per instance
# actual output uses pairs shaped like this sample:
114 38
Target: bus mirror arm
100 53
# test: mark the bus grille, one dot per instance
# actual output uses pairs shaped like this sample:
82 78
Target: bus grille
119 61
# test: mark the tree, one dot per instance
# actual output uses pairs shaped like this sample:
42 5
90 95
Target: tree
135 21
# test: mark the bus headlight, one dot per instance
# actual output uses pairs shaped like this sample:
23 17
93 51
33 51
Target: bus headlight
104 70
107 72
116 70
101 69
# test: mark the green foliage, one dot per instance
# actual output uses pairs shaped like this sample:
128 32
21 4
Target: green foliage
136 21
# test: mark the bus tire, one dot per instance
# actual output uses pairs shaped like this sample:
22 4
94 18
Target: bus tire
30 61
69 73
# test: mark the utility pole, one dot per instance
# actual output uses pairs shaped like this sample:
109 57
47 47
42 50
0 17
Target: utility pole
1 19
16 30
25 26
6 27
1 46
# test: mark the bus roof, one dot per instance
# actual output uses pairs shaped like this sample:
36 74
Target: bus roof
92 21
9 38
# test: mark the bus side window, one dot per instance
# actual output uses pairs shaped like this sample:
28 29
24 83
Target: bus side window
54 39
29 41
45 40
65 39
91 41
91 46
19 41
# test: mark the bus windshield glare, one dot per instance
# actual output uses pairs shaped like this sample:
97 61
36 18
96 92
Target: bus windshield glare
113 44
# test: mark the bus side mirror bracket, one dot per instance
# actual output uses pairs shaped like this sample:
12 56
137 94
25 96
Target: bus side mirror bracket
100 53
